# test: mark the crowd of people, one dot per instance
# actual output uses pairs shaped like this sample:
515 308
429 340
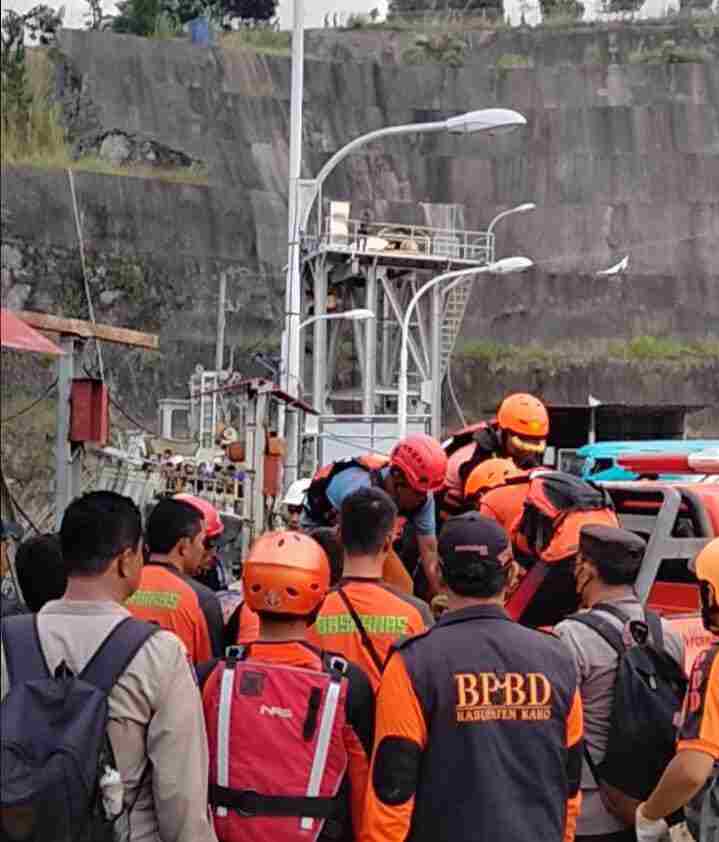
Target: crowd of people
363 682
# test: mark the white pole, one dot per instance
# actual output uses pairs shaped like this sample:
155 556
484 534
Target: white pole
293 295
509 264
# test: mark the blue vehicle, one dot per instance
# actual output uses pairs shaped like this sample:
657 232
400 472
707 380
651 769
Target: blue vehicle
598 462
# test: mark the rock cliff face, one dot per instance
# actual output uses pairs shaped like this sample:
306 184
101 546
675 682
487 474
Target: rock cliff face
620 158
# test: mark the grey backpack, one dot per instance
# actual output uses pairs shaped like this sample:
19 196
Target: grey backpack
54 736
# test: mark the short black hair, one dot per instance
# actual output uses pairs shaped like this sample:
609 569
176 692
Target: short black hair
329 540
95 529
170 522
485 581
40 570
367 517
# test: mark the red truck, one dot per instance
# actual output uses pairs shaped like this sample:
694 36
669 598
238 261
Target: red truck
676 519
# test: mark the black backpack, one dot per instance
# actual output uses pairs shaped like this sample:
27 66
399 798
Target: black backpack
55 746
648 694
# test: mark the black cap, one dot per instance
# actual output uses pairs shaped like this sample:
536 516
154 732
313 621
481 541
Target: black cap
612 549
471 545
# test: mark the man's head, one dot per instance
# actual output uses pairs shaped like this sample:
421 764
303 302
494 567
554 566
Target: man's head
366 522
706 568
286 576
176 532
418 466
214 527
294 501
329 540
101 538
475 557
608 557
40 570
524 423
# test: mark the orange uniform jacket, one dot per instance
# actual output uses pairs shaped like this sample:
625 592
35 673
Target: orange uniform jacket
386 613
181 605
700 728
359 732
478 736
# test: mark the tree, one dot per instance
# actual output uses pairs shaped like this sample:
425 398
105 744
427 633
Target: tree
137 17
254 11
94 17
39 24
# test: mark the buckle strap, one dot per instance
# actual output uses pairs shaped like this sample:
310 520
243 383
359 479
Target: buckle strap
249 803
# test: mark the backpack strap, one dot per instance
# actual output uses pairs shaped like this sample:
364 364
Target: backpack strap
364 635
653 621
114 655
604 629
23 652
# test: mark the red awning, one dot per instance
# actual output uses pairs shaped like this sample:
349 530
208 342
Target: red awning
19 336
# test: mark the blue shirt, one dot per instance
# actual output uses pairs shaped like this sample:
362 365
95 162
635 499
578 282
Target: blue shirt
349 480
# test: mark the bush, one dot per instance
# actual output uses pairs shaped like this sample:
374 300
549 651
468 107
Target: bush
507 61
445 48
669 52
261 39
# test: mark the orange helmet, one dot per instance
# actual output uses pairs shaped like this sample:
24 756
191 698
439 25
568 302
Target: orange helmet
706 568
525 416
286 573
213 522
490 474
422 461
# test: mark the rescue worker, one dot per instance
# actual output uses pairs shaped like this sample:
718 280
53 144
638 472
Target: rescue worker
286 577
479 720
363 615
415 469
293 503
178 547
606 569
212 574
692 778
243 626
155 726
519 432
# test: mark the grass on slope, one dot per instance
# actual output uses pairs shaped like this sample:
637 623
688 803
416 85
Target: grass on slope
40 141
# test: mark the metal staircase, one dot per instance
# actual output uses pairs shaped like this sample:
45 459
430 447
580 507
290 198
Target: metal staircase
454 308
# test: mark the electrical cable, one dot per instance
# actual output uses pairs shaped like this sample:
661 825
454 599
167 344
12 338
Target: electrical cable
142 427
32 405
450 384
17 506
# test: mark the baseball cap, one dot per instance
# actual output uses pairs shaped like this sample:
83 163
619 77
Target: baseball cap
471 546
612 547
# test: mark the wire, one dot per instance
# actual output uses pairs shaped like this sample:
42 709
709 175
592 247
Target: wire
83 263
142 427
16 505
450 384
32 405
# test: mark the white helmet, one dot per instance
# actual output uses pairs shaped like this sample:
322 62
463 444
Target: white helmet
296 492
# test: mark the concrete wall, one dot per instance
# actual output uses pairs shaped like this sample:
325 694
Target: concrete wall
620 158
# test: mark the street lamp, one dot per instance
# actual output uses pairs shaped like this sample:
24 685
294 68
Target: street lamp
492 120
527 206
360 314
500 267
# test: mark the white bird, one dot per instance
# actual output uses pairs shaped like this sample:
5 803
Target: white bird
617 269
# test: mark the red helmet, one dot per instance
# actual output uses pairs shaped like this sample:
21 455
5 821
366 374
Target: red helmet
422 461
286 573
213 521
524 415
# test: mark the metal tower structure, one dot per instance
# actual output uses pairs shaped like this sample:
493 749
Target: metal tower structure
353 377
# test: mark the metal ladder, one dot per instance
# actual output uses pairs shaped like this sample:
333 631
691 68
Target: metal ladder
208 408
454 309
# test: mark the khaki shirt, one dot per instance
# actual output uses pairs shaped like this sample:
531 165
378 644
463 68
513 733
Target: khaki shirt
155 716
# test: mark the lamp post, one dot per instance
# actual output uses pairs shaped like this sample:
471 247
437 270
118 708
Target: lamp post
360 314
525 208
500 267
492 120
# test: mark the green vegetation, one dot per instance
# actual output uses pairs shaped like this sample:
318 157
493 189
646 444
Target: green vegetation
510 61
669 52
644 349
35 137
261 39
445 48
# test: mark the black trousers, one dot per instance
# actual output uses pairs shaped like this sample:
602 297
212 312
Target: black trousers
622 836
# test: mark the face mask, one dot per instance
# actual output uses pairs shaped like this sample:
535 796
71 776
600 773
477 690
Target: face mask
710 610
582 578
